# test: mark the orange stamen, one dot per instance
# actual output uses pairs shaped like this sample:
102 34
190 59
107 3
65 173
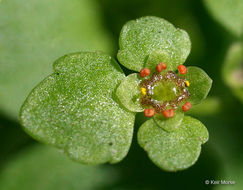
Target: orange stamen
160 67
149 112
182 69
144 72
186 106
168 113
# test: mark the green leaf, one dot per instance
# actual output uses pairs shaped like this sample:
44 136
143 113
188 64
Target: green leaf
200 84
228 13
33 34
40 167
129 93
139 38
73 109
175 150
169 124
233 69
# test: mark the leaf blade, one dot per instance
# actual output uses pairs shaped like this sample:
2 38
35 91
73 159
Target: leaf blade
73 109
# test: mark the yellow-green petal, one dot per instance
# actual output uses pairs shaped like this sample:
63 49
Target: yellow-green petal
169 124
159 56
200 84
129 93
175 150
141 37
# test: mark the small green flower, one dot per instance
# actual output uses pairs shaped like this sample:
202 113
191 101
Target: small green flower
87 106
164 95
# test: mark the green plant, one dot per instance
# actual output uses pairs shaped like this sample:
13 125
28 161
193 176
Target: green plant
87 106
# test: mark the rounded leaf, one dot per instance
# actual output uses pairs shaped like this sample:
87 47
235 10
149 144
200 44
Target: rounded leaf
128 93
139 38
73 109
175 150
169 124
200 84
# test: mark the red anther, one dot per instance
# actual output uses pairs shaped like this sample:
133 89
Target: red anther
186 106
182 69
149 112
168 113
144 72
160 67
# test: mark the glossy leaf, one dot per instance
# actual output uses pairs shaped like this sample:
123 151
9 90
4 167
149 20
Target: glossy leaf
228 13
139 38
175 150
129 93
169 124
34 34
40 167
200 84
74 109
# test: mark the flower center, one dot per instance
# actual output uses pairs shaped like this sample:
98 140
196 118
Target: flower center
163 93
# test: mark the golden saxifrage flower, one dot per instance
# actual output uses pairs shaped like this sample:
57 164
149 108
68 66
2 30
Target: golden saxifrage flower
87 107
